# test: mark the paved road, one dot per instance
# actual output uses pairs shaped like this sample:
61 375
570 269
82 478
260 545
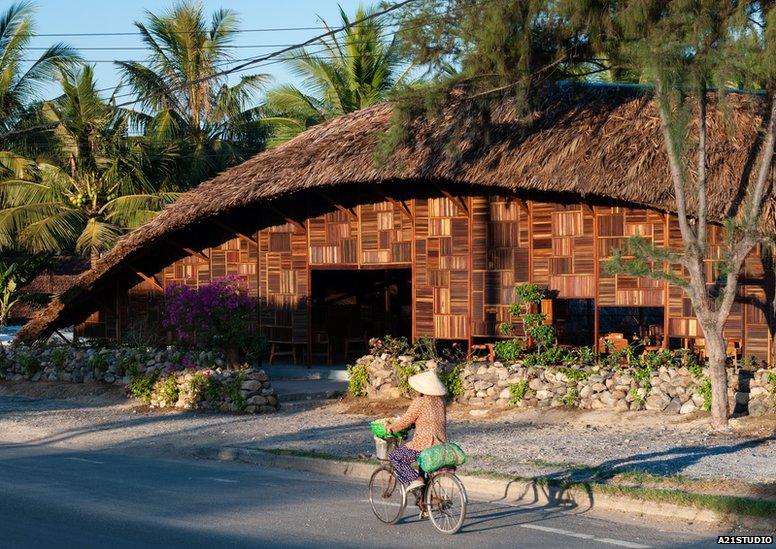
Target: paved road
52 497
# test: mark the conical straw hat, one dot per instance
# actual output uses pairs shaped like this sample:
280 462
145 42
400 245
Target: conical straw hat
427 383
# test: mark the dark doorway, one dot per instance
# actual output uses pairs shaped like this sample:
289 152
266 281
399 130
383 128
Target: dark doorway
643 324
351 306
574 321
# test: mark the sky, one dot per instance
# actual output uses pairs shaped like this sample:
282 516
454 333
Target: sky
109 16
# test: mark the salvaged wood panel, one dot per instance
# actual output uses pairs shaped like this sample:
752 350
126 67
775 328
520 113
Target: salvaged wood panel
562 244
283 282
615 226
386 234
441 273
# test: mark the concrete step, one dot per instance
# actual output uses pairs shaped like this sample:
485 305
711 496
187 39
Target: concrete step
308 389
291 372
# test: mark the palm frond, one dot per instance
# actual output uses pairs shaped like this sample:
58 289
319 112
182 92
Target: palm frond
134 210
97 235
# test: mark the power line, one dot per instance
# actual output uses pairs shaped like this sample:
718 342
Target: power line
135 33
279 52
250 63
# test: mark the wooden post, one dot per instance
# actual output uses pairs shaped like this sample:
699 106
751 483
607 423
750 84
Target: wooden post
596 282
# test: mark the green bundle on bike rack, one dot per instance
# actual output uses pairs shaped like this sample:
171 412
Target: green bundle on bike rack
448 454
379 430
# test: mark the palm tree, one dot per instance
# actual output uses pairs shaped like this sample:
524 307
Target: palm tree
19 83
91 191
347 74
194 113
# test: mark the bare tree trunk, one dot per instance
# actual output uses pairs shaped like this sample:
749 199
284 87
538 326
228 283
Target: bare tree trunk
715 350
94 257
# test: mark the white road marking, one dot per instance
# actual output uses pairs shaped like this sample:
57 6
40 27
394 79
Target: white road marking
622 543
571 534
557 531
86 460
226 480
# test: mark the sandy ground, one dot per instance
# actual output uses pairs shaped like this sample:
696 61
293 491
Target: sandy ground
561 443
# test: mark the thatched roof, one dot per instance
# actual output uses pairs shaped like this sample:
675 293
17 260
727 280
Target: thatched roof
599 143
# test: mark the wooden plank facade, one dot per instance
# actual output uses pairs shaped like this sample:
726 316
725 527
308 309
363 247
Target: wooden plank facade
465 253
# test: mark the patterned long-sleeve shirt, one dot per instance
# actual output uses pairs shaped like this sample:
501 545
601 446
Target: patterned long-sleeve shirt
429 416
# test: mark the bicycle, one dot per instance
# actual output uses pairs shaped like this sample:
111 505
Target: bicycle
442 498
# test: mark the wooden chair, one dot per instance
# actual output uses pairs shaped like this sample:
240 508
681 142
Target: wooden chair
733 349
279 348
356 345
489 347
321 346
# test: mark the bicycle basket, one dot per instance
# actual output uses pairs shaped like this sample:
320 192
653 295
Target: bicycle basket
448 454
383 447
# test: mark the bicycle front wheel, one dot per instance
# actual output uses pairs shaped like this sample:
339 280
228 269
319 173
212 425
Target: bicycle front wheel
386 495
446 502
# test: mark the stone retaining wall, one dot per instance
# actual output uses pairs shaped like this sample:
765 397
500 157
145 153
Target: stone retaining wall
670 389
162 378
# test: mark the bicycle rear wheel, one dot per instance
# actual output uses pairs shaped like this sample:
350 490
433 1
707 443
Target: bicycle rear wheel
446 502
386 495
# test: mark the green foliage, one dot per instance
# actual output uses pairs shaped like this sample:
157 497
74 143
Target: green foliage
29 363
167 389
129 362
636 396
392 346
772 381
358 379
704 389
509 350
656 359
59 358
355 70
404 372
749 363
213 391
518 391
570 398
575 374
233 389
197 386
14 276
142 385
451 379
527 296
425 348
99 362
548 357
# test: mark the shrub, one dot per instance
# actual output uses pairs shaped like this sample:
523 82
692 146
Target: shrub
404 372
141 386
772 381
570 398
510 349
749 363
358 377
167 390
58 358
219 315
518 391
425 349
29 363
197 386
704 389
233 389
575 374
392 346
99 362
451 379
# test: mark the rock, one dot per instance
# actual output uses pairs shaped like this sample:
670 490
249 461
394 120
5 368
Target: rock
479 412
656 402
536 384
251 385
596 404
673 407
505 394
622 406
543 394
688 407
257 400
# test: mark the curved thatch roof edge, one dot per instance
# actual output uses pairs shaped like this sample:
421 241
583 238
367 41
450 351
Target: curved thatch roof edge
590 145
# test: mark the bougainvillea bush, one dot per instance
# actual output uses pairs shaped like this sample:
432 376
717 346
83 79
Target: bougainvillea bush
220 315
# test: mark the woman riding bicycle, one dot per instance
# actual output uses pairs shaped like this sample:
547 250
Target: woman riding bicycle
427 413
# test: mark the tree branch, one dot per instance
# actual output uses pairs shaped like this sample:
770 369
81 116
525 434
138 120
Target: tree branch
701 182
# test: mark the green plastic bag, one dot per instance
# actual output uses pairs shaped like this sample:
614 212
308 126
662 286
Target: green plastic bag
448 454
379 430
